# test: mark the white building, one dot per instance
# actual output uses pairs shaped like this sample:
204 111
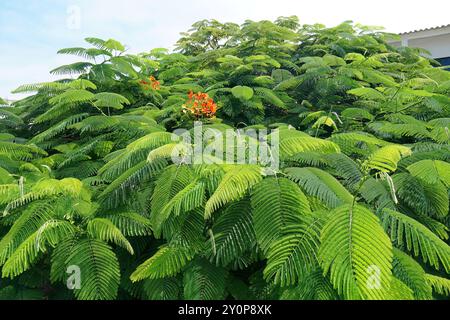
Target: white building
436 40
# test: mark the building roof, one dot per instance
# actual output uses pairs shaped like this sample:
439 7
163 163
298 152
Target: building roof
426 29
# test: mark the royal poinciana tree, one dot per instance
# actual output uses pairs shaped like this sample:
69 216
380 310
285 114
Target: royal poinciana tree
358 207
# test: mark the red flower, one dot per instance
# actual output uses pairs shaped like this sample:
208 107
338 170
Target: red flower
200 105
155 85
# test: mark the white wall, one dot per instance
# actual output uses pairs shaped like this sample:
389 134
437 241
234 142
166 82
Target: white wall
439 46
437 41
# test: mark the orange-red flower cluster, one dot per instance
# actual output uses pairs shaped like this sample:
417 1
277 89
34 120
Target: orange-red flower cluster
154 84
200 105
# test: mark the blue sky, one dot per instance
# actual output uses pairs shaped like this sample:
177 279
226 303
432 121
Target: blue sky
31 31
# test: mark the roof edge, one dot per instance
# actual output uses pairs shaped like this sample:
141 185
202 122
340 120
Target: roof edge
426 29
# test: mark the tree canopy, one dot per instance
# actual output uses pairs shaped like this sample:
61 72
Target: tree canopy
358 207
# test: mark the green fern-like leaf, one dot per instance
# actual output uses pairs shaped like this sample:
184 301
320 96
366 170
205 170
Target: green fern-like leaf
72 96
416 238
111 100
172 182
20 151
100 272
162 289
320 184
386 158
204 281
233 233
49 234
277 204
399 291
118 190
293 142
431 171
60 254
368 93
131 224
188 199
167 262
31 219
422 197
314 286
295 254
270 97
236 182
133 154
58 128
354 245
72 69
412 274
104 229
357 142
91 53
440 285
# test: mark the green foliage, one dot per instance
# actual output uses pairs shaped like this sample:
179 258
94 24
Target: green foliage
204 281
353 245
277 203
412 274
234 185
415 237
357 208
320 184
242 92
167 262
234 235
100 270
